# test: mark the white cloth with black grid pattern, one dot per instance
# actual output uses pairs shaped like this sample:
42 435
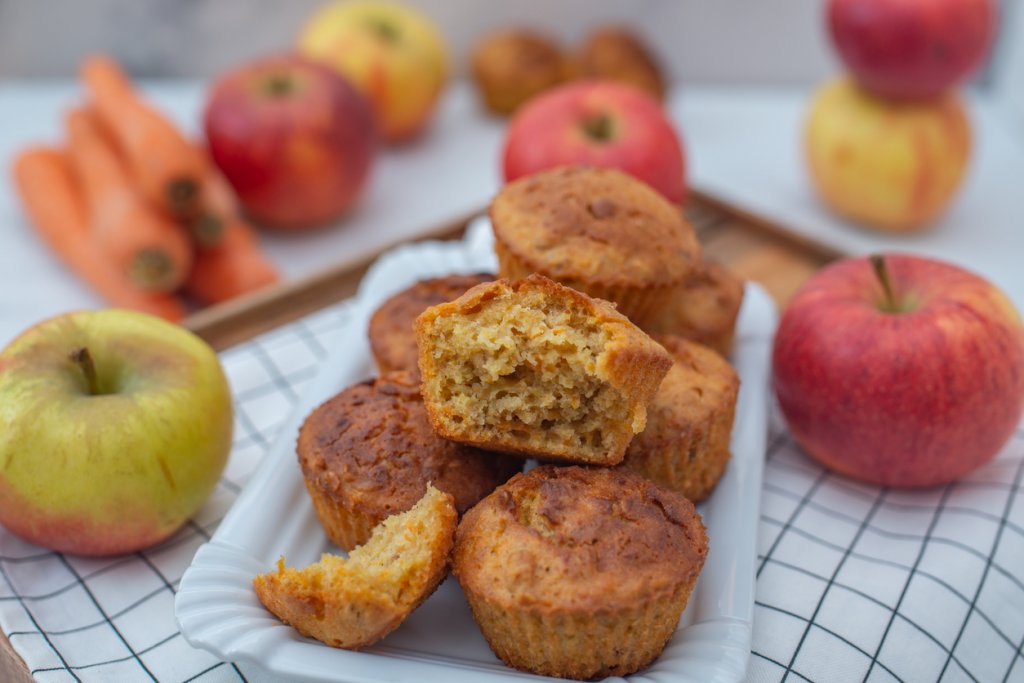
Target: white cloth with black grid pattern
854 583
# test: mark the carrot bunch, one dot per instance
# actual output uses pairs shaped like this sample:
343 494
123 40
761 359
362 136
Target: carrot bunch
136 209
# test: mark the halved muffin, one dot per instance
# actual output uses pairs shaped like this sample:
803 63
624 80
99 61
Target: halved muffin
352 603
536 368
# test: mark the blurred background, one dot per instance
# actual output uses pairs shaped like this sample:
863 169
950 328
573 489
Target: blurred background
742 77
767 42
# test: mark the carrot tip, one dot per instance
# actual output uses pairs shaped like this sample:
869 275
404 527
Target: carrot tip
153 269
207 230
183 193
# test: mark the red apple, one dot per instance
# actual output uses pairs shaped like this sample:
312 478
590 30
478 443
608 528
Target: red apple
597 123
294 139
900 370
912 48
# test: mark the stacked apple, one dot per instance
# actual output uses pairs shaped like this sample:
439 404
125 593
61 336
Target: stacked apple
390 52
888 144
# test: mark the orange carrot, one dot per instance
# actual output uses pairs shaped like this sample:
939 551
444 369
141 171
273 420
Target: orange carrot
145 244
219 207
235 266
54 205
167 167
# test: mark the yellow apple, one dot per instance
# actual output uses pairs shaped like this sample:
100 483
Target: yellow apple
115 426
391 52
889 165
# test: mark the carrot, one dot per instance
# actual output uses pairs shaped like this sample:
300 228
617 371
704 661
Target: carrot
145 244
167 167
235 266
54 205
219 207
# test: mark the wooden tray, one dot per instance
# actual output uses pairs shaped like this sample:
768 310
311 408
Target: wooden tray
753 248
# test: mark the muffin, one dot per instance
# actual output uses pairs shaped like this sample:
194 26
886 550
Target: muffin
369 453
579 572
511 66
536 368
392 339
597 230
353 603
704 308
689 423
616 53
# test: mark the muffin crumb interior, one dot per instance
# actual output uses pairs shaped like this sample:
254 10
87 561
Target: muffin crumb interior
529 368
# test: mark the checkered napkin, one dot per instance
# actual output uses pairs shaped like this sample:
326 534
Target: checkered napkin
858 583
854 583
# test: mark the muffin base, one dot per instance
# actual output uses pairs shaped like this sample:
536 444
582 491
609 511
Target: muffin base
582 645
345 528
691 463
642 305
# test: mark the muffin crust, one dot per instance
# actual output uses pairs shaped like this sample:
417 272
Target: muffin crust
353 602
369 453
704 308
597 230
616 53
685 446
511 66
392 338
579 572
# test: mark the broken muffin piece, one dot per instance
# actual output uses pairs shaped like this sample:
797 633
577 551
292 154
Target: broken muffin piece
352 603
536 368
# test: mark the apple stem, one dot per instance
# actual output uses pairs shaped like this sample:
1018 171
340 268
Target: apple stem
882 273
83 358
385 30
278 85
598 127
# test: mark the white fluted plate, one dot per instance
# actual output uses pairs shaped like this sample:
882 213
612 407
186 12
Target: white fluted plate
218 611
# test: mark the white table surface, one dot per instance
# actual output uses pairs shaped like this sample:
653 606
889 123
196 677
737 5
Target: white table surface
746 149
742 145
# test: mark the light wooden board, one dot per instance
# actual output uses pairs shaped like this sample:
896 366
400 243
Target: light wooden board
752 248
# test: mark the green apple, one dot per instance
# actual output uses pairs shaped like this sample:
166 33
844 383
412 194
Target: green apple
114 428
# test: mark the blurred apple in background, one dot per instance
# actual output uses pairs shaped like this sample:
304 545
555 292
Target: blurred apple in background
912 48
597 123
900 371
294 139
889 165
114 429
391 52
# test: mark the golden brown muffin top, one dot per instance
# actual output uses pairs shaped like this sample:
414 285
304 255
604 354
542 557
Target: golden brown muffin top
579 539
371 448
704 308
518 58
616 53
392 338
712 292
583 223
696 385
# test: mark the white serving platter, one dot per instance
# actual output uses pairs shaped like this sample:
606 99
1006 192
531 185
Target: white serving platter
218 611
